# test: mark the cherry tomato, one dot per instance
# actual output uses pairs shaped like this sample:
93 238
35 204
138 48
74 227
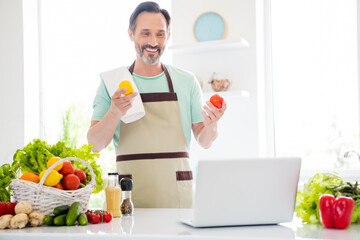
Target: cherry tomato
216 100
67 168
107 217
59 186
93 218
81 174
71 182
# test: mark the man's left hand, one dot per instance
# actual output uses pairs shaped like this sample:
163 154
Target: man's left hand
212 114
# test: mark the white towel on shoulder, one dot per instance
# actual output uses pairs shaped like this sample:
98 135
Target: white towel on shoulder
112 80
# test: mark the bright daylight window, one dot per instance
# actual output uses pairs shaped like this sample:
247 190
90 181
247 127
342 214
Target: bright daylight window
81 39
315 82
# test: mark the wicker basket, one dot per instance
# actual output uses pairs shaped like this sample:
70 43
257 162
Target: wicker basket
44 199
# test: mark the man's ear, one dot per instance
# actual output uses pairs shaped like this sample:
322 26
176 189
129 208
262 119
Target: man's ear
131 35
168 36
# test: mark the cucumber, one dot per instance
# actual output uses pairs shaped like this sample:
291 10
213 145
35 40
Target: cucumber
73 213
61 210
82 219
60 220
49 220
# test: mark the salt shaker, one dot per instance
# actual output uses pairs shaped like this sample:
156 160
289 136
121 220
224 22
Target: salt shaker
127 206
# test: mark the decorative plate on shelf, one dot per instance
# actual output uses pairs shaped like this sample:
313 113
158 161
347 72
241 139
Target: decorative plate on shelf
210 26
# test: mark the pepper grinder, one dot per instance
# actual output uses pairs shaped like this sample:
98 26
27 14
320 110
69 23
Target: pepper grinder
127 206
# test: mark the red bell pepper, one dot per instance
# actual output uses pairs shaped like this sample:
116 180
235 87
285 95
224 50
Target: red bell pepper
2 208
336 212
326 210
10 208
343 210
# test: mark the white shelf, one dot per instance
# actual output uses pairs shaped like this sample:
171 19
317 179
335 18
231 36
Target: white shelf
229 94
210 46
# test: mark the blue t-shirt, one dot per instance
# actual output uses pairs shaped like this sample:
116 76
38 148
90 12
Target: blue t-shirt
185 85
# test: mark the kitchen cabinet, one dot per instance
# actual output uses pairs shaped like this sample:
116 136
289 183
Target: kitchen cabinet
164 224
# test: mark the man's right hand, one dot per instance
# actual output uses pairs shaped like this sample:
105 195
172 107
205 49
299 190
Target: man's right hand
120 104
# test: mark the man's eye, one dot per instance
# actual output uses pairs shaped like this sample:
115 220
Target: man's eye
145 33
160 34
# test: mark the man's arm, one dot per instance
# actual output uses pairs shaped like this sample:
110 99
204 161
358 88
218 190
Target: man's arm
101 132
207 131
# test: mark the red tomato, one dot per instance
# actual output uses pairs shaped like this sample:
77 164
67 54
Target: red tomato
59 186
71 182
67 168
216 100
81 174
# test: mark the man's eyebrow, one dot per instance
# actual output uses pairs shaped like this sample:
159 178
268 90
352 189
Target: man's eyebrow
148 30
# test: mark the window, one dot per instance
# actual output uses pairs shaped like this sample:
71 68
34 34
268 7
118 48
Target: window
315 82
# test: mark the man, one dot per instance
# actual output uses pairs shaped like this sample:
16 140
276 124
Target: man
153 150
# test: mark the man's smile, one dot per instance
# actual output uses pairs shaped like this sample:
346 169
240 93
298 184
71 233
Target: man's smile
152 50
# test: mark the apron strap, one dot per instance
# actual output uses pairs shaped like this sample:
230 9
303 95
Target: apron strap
148 156
171 88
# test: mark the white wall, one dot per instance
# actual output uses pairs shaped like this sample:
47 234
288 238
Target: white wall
238 130
11 79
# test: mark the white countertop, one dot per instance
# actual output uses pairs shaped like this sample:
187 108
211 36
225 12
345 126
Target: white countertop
164 224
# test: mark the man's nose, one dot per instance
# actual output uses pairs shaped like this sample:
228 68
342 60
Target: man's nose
153 41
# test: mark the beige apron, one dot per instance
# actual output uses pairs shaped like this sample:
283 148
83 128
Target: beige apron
153 152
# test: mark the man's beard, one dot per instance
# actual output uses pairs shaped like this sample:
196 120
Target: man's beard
151 59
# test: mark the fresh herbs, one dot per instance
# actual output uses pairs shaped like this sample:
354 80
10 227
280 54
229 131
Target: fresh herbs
347 189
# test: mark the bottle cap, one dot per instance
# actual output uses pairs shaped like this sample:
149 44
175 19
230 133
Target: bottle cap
126 184
113 173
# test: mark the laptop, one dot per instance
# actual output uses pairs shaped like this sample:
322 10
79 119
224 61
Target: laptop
245 192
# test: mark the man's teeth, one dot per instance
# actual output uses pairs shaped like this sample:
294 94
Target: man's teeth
151 50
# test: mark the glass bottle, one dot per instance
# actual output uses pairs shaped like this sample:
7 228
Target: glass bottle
127 206
113 195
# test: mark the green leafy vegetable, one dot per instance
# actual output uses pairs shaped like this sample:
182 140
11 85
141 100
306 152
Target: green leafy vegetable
307 200
7 173
33 157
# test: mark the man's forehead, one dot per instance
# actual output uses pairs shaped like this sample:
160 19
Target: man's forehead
151 21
